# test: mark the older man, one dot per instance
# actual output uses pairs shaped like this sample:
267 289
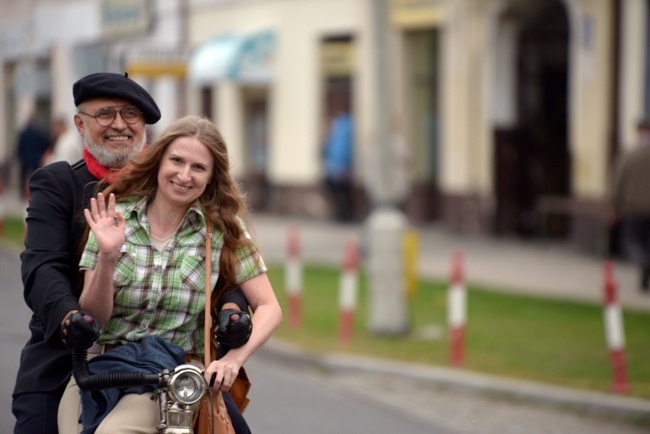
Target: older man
112 113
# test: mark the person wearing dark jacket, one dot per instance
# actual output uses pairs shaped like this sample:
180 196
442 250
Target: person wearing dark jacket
631 201
32 145
55 225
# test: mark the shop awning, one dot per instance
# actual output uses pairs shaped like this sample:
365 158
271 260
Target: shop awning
245 59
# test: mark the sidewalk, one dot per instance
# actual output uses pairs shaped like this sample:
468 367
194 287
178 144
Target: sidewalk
546 270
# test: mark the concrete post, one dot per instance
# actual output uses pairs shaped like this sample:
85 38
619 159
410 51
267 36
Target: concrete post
386 225
388 308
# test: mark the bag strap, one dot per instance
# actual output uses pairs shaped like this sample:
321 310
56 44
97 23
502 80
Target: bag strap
208 293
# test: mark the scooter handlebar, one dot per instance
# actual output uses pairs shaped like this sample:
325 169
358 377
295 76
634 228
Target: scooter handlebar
87 381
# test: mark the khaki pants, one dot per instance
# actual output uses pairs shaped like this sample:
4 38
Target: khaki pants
133 414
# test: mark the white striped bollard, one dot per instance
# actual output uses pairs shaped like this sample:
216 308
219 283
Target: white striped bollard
457 309
348 290
293 275
614 331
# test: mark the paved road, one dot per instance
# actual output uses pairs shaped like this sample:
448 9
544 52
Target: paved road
457 401
14 317
294 398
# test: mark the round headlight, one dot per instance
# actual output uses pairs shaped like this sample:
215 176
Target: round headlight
186 384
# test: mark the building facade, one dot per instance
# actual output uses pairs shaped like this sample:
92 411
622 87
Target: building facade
45 46
491 116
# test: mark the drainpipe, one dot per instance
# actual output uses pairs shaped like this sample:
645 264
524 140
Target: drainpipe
183 45
615 79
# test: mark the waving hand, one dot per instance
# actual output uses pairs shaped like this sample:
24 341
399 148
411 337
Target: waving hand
106 223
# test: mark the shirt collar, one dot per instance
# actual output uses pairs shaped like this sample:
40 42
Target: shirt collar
139 207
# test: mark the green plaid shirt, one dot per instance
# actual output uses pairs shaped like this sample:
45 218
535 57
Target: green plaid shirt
163 293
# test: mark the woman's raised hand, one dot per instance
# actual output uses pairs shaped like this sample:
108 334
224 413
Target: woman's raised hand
106 223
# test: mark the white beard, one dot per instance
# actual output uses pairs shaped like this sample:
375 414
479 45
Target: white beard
112 159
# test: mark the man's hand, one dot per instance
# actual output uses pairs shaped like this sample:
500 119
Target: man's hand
79 330
234 327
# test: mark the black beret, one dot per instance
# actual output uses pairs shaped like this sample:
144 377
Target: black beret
113 85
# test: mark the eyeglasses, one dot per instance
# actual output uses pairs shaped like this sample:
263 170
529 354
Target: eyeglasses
106 115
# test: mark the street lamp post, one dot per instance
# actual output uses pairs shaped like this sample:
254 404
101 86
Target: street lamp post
386 224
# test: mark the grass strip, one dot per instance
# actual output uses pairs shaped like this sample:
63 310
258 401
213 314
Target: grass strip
517 336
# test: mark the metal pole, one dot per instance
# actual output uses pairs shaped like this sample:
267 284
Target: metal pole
386 225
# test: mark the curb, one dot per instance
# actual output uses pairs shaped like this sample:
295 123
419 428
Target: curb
585 402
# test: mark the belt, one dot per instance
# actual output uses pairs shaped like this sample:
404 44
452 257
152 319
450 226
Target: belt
188 357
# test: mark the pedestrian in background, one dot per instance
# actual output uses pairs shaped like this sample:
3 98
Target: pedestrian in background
631 202
67 143
32 145
337 155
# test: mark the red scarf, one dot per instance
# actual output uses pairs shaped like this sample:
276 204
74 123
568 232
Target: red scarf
99 171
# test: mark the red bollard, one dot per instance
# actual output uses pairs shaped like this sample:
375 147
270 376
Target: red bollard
293 274
348 290
457 309
614 331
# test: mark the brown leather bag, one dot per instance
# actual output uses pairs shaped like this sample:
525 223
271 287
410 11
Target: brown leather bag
212 416
239 390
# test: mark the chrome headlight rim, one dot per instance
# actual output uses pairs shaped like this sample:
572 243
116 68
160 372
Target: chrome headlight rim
183 376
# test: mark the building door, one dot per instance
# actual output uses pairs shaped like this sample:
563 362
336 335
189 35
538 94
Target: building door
532 159
256 136
646 100
422 53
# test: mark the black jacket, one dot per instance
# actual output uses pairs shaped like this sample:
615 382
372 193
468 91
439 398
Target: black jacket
50 270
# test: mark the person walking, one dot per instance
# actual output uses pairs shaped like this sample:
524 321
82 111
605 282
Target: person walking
32 145
631 202
337 154
67 146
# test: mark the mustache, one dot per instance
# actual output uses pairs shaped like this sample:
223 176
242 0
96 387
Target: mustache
112 132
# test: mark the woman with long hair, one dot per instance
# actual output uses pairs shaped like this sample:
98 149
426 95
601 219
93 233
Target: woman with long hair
144 259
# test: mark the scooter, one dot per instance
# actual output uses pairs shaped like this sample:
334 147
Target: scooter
177 390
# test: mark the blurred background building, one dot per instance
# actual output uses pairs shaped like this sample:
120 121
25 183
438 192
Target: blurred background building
501 117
